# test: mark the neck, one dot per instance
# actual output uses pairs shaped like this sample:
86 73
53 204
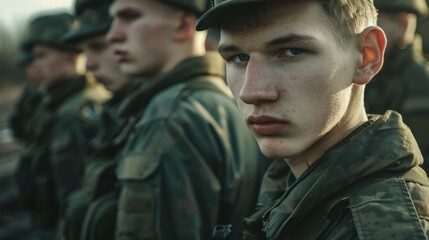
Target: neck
354 117
182 50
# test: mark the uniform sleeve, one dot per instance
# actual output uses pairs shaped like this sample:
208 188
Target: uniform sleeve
20 120
170 189
68 149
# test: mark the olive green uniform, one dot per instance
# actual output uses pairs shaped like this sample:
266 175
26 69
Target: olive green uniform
190 162
23 118
368 186
52 163
403 85
91 211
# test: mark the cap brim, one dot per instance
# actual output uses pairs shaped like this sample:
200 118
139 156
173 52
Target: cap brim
84 32
30 43
213 16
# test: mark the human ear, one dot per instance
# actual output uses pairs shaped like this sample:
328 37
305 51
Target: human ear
371 44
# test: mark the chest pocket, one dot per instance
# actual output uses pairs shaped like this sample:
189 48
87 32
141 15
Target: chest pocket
138 198
134 168
386 211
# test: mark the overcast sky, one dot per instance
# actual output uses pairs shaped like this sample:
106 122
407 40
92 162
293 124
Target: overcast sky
19 10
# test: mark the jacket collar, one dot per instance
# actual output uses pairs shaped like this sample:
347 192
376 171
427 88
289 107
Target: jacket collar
210 64
384 143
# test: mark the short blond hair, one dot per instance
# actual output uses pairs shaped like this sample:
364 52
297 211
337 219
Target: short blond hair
350 16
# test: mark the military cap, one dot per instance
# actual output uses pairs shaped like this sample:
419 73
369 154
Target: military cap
93 19
48 30
196 6
212 17
81 5
418 7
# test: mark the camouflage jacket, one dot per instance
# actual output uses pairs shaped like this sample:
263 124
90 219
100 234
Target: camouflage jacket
190 162
90 213
368 186
22 120
53 161
403 86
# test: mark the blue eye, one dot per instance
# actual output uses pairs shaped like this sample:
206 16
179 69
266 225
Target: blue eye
240 58
292 52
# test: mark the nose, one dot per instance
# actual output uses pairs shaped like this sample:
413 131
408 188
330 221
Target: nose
115 33
258 87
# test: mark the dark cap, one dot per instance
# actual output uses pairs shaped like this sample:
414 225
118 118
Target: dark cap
418 7
93 20
196 6
213 16
48 30
81 5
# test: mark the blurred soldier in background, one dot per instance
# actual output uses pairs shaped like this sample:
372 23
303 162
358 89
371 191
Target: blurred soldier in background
212 40
93 207
423 31
403 82
23 115
190 162
52 164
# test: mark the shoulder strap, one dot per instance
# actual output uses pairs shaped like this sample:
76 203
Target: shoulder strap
212 83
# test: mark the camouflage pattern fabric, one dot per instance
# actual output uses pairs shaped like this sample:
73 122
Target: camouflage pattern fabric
403 86
190 162
22 119
55 158
81 219
368 186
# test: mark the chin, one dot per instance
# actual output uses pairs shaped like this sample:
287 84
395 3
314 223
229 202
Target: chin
129 69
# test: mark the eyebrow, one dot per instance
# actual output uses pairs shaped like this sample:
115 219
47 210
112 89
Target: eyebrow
287 39
291 38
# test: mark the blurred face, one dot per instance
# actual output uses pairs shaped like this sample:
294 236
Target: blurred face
141 35
52 65
424 32
32 75
391 24
100 60
290 77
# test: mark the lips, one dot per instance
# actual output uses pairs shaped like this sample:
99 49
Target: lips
121 56
266 125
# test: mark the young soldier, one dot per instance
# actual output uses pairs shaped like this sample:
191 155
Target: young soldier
423 31
93 208
51 167
298 71
21 119
403 82
190 162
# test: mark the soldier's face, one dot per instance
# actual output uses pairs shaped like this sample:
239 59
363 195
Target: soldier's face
32 73
141 33
290 77
391 25
52 65
100 60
